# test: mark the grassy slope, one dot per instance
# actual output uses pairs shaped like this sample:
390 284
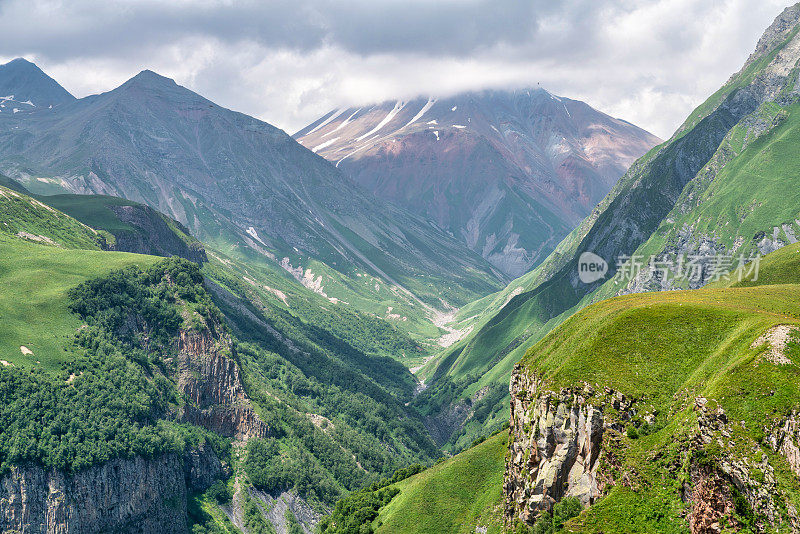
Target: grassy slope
503 328
33 302
670 348
454 496
656 345
20 213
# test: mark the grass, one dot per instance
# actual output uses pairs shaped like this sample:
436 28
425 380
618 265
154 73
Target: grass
33 302
20 214
92 210
454 496
666 349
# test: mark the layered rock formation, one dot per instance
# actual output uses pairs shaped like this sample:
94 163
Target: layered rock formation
132 495
554 447
209 376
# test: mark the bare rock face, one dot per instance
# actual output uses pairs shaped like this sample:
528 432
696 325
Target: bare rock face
553 451
712 502
276 506
129 495
153 234
209 376
509 173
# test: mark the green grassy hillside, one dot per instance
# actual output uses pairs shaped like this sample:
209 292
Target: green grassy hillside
727 182
34 304
667 349
24 217
455 496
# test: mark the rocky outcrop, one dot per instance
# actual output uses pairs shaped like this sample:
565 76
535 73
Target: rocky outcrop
126 495
751 475
202 468
785 439
554 447
276 506
129 495
154 234
209 376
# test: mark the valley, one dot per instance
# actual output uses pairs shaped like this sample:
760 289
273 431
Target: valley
383 323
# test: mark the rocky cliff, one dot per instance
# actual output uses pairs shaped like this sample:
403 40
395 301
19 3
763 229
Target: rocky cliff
556 443
155 234
128 495
209 377
571 443
138 494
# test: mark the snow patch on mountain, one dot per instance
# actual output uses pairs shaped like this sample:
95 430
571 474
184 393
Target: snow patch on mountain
325 144
397 107
425 108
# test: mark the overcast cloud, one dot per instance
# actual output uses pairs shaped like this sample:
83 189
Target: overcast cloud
289 61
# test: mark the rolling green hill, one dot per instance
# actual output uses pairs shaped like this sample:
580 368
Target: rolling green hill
680 354
33 304
457 495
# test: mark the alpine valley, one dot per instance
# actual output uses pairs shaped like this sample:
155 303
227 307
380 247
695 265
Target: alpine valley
379 324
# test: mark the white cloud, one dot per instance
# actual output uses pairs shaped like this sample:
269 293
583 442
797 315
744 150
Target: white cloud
647 61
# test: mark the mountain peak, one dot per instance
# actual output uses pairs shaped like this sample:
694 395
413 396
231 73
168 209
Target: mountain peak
27 83
151 79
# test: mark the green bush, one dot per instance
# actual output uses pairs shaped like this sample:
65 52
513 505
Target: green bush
220 492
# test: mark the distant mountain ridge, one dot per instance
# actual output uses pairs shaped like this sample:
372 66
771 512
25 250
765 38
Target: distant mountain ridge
24 87
243 185
724 185
510 173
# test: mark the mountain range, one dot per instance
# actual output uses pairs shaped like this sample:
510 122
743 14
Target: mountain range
246 188
509 173
724 185
258 379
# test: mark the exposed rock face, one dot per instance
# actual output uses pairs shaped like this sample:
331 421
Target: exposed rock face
154 235
785 440
712 486
507 172
202 468
277 505
712 502
553 450
132 495
209 376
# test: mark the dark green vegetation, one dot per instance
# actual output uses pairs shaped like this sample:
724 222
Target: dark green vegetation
111 396
337 411
553 521
455 495
726 181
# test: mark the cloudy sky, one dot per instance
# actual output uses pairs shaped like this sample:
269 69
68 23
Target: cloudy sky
289 61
